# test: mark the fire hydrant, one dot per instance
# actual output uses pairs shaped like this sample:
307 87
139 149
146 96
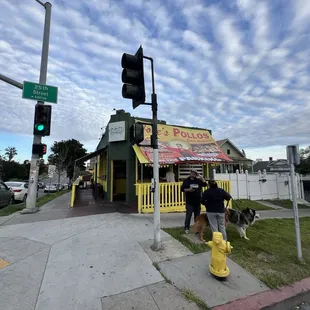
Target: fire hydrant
220 249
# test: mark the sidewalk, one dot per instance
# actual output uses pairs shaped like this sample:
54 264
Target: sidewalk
104 261
78 263
57 208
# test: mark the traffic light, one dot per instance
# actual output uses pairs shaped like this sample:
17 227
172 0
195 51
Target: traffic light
42 120
136 133
39 149
133 77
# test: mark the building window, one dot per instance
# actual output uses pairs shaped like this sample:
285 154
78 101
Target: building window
228 151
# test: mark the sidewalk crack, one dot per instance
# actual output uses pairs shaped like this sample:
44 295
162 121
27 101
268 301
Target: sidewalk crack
48 257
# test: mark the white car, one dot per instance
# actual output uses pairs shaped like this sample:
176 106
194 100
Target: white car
20 190
51 188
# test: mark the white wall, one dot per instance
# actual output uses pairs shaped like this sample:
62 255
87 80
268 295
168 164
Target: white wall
253 186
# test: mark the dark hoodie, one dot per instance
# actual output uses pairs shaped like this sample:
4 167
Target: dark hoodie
213 199
193 197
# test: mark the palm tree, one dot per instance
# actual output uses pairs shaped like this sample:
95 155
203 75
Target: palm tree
10 152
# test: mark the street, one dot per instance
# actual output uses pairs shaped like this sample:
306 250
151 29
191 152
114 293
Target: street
303 306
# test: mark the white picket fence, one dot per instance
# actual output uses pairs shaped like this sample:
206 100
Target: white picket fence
261 186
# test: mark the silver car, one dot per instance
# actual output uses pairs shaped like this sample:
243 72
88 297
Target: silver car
51 188
6 195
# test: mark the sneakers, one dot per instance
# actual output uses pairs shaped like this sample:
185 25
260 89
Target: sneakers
186 231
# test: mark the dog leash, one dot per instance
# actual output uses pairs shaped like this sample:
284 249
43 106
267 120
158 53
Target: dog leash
234 202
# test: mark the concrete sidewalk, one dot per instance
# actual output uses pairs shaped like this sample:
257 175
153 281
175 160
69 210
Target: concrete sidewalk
57 208
85 263
100 261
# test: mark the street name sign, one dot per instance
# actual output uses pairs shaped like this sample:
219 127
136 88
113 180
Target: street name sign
40 92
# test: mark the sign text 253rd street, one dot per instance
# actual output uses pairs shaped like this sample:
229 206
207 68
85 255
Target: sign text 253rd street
40 92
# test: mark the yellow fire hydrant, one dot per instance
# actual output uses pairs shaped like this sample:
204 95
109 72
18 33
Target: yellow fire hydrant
220 249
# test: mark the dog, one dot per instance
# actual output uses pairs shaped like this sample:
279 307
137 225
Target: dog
240 219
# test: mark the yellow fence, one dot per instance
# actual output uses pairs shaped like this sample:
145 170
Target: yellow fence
170 197
75 184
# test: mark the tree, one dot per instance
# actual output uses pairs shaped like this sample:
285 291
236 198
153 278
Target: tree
304 167
65 152
11 170
10 152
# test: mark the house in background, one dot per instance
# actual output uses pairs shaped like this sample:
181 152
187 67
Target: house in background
272 166
239 160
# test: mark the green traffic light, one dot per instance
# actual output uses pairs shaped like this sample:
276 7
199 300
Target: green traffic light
39 127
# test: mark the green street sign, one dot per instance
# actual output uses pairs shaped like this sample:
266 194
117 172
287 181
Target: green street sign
40 92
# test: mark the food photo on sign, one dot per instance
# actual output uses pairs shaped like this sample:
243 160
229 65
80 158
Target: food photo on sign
177 144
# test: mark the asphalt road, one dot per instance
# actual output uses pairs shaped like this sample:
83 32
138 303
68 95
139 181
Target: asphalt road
304 306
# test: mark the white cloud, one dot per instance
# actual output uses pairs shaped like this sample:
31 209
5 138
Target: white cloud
226 69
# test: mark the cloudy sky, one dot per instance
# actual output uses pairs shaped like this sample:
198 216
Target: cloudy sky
238 67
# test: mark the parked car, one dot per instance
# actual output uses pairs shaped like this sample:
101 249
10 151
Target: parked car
6 195
66 186
51 188
41 185
20 190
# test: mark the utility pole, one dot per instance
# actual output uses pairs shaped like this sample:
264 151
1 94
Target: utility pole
35 159
293 159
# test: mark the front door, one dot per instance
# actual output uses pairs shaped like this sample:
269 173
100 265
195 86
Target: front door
119 180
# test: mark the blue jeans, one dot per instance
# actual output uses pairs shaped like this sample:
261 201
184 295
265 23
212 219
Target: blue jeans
190 208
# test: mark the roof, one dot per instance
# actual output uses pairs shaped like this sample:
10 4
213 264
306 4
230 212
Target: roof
88 156
221 142
261 165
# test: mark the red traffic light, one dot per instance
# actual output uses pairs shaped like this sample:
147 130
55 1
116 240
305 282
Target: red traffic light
39 149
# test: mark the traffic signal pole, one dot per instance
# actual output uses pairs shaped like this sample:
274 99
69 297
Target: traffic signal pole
35 159
157 238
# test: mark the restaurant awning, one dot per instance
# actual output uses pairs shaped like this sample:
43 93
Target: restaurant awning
88 156
181 145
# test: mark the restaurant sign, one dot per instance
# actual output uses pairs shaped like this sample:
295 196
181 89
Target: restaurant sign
179 144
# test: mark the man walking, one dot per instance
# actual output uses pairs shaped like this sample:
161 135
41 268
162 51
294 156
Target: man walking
192 191
213 198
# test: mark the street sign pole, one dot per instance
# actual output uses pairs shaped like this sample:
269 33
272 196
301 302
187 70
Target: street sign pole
293 159
35 159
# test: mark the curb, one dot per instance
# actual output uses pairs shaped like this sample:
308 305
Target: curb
283 298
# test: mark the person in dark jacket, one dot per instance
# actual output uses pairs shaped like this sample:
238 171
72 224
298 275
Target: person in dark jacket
213 198
192 190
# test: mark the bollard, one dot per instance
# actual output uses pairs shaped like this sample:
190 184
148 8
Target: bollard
219 250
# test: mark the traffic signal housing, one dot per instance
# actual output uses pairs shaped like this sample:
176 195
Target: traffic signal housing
133 77
39 149
42 120
136 133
